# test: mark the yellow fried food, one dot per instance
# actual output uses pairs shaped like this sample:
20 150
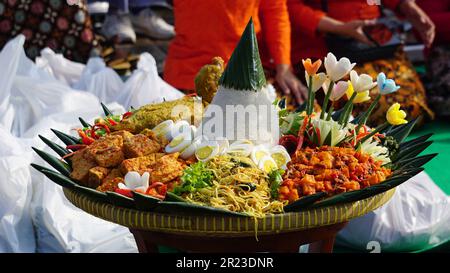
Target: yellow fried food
167 168
148 116
207 79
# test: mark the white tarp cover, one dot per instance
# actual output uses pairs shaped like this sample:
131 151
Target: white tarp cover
54 92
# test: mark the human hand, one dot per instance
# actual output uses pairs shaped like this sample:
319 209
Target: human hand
289 84
420 21
354 29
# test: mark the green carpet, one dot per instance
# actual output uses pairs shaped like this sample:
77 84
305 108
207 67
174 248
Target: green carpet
438 168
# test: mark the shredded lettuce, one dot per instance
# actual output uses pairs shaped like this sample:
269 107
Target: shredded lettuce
275 179
194 177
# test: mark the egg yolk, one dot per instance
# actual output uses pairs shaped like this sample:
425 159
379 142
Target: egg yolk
259 155
279 159
204 152
269 166
176 141
159 129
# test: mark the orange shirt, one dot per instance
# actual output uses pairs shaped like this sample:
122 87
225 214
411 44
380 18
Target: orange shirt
306 14
208 28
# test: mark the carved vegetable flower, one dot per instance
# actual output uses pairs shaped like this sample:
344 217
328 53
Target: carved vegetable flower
336 70
339 89
385 85
395 116
361 83
134 181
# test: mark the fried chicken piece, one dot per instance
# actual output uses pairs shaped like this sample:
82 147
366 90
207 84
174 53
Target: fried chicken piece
111 181
107 151
96 175
140 145
207 79
167 168
140 164
82 162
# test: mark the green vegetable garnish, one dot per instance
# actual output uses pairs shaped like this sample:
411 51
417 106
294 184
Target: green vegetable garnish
275 180
194 177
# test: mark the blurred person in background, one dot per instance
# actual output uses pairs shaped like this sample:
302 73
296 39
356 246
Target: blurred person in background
320 26
205 29
125 18
438 59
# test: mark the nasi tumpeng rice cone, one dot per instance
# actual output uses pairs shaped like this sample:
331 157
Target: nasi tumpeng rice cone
243 108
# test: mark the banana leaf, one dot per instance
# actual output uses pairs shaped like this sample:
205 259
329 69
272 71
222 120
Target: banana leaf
411 151
401 132
65 138
84 123
415 141
170 196
415 162
120 200
106 110
337 114
98 195
61 151
189 208
56 163
304 202
145 202
58 178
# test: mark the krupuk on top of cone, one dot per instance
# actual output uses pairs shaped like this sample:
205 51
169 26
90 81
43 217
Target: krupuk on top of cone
244 70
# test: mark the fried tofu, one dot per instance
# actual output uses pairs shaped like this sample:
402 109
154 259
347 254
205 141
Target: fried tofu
167 168
111 181
107 151
111 185
150 134
96 175
124 134
140 164
140 145
82 162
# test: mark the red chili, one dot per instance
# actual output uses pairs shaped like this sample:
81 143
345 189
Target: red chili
85 138
155 184
112 122
301 133
76 147
289 142
126 115
157 189
101 126
192 95
124 192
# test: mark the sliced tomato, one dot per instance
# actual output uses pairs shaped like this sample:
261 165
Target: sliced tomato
124 192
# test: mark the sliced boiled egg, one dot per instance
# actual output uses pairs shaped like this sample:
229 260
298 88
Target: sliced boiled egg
280 155
180 127
240 148
207 150
190 150
223 144
179 143
164 129
258 153
267 164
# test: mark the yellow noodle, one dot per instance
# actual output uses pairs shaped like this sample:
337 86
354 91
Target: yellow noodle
227 192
